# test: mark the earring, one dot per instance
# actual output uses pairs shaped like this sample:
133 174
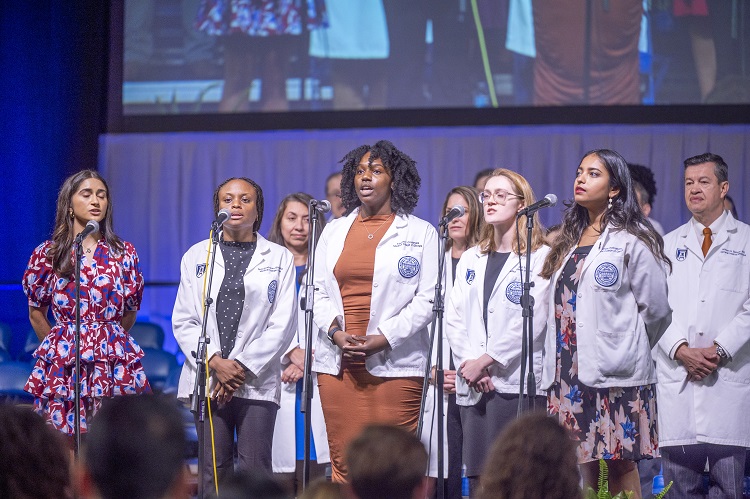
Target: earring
70 212
609 204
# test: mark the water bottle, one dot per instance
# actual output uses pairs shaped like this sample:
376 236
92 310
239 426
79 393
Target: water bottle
464 482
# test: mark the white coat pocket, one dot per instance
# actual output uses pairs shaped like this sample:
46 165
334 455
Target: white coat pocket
615 353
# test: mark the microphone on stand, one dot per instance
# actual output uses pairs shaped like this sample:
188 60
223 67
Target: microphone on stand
549 200
455 212
221 217
91 227
322 205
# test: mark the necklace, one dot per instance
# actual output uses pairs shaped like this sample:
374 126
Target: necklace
88 250
370 235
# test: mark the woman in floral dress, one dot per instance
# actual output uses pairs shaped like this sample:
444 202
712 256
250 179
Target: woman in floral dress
111 290
609 307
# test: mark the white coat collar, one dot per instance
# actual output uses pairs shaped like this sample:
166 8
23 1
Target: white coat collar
262 247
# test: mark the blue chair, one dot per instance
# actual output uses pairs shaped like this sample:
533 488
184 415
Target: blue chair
158 364
5 336
148 334
32 342
173 381
13 377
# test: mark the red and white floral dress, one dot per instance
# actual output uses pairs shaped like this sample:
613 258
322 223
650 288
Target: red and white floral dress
110 358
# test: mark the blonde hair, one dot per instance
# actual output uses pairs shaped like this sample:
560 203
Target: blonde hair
521 187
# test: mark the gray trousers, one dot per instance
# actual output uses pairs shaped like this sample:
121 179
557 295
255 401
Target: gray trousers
253 421
684 465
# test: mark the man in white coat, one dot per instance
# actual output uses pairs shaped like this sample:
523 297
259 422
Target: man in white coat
703 359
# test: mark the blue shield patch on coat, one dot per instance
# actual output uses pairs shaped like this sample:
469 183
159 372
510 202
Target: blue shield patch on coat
408 266
681 254
470 275
606 274
513 292
272 290
200 269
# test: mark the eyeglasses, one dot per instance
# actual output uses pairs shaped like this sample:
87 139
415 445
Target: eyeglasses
500 196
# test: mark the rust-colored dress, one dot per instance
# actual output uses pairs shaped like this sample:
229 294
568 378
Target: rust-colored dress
355 398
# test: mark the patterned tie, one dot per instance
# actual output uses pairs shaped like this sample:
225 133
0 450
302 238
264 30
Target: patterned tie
706 240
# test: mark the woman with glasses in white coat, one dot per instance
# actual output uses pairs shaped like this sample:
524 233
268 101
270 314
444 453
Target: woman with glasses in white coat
484 321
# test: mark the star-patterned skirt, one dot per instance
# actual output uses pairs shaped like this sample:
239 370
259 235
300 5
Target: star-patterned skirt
607 423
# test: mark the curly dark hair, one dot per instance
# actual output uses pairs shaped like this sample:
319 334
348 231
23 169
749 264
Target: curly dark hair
258 198
35 459
625 214
403 171
643 176
533 457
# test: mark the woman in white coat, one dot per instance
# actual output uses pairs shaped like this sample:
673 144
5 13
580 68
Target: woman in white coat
250 323
463 233
376 271
291 229
484 320
608 307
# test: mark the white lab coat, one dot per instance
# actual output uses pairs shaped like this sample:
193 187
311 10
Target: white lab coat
266 325
502 338
284 451
711 301
621 312
429 428
403 286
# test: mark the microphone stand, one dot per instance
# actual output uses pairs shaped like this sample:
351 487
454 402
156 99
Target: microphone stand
527 342
198 400
437 319
77 374
307 305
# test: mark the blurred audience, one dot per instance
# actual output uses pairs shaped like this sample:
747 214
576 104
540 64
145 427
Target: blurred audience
135 449
35 460
387 461
533 457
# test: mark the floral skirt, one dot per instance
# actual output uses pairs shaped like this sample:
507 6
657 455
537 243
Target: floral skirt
110 366
607 423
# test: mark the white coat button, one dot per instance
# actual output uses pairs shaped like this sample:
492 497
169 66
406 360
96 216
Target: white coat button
372 314
374 284
239 335
481 345
580 325
492 310
580 295
700 333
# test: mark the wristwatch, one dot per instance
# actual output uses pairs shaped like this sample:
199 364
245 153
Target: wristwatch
331 332
721 352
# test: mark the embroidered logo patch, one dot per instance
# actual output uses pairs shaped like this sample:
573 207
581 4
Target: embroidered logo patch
408 266
272 290
470 275
513 292
681 254
200 269
606 274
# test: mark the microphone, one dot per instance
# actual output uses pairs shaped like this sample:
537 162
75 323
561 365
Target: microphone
549 200
453 213
322 205
91 227
221 217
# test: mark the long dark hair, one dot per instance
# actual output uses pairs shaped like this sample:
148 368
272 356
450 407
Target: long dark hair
403 170
63 236
476 215
625 214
